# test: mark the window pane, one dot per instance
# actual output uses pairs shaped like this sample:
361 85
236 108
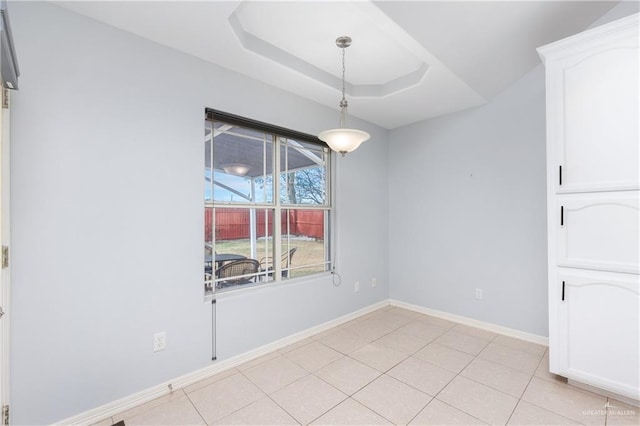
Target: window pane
242 165
243 243
208 204
303 177
208 248
208 170
304 249
239 180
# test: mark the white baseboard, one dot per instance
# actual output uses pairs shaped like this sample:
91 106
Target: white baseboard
534 338
107 410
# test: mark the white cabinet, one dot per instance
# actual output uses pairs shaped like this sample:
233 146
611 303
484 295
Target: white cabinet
592 109
599 231
593 193
603 110
598 326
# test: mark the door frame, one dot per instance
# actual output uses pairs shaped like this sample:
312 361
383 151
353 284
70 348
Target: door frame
5 275
8 80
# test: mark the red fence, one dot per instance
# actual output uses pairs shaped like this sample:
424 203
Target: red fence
233 224
307 222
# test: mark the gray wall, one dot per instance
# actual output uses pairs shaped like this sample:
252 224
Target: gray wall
622 9
468 210
107 209
467 196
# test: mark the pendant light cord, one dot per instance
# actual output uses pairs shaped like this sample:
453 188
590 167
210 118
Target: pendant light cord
343 72
343 102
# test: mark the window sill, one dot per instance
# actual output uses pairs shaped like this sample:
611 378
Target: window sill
231 292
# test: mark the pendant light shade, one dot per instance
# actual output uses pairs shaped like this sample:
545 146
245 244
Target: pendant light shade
343 139
236 169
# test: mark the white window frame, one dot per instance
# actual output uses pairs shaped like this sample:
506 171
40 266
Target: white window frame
276 206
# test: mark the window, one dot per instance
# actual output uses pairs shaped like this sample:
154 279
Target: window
262 226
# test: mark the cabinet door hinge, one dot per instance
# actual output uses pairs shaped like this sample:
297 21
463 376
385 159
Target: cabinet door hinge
5 415
5 98
5 257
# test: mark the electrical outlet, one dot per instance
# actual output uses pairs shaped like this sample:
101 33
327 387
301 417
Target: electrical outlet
479 293
356 287
374 282
160 341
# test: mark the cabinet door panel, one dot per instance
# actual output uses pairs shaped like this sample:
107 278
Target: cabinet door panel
597 132
600 231
599 329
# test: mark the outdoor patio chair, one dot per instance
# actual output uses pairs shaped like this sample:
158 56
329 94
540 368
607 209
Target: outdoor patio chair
208 279
208 248
237 268
266 263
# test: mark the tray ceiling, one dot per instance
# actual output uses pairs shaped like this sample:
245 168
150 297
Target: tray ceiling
409 61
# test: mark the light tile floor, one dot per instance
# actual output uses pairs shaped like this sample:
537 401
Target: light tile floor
392 366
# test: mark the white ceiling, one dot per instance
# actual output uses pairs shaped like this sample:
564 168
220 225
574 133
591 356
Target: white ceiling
409 61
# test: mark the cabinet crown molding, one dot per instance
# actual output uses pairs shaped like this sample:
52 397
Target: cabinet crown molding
615 29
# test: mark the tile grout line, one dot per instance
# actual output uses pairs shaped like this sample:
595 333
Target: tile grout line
525 388
550 411
383 373
406 356
325 412
252 402
196 408
284 409
531 375
374 411
308 373
459 375
535 405
312 373
268 395
449 382
456 408
360 388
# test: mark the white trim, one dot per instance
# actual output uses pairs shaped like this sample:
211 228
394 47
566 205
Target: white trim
597 34
522 335
5 240
107 410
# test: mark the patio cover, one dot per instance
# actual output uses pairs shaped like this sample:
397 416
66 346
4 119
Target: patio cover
237 145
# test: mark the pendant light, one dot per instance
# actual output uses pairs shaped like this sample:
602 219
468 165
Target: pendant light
236 169
343 139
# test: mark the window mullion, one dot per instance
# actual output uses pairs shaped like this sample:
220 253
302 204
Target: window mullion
277 214
212 236
264 166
